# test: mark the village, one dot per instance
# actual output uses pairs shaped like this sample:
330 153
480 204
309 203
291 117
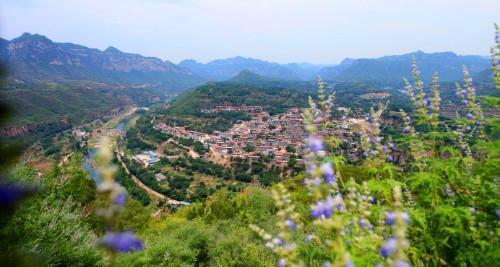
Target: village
278 136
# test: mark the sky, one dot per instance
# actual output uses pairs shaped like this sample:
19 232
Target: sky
283 31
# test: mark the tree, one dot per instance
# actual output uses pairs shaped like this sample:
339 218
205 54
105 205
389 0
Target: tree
249 148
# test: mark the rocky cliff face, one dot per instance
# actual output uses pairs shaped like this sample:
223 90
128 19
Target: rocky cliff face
14 131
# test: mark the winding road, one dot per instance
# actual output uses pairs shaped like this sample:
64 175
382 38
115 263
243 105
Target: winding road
121 125
146 188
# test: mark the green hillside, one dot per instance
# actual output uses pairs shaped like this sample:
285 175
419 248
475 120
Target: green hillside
274 100
186 110
46 109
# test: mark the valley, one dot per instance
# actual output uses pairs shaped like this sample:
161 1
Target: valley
113 158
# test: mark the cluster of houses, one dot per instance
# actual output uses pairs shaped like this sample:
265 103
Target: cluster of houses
261 135
182 132
248 109
266 135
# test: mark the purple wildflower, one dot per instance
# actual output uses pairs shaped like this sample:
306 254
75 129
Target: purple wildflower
290 223
277 241
390 158
363 223
10 194
427 103
388 248
327 169
377 139
406 129
323 209
316 181
120 199
469 116
497 212
406 217
328 173
331 179
349 263
390 218
371 199
121 242
338 202
315 144
282 263
359 133
311 168
308 238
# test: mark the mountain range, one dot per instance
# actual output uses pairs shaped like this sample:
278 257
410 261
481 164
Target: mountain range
224 69
392 69
34 57
387 70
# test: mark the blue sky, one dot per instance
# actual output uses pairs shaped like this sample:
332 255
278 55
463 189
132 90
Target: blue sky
316 31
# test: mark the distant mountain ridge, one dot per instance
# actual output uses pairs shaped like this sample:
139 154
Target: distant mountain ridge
35 58
383 70
224 69
392 69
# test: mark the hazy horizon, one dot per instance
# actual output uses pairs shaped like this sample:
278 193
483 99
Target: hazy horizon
292 31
